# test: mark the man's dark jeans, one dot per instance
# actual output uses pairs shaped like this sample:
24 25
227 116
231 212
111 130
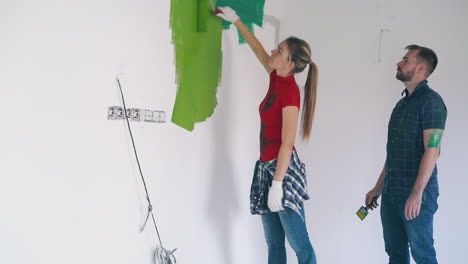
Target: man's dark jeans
400 234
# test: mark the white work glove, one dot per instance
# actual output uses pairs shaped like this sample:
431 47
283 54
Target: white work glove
228 14
275 196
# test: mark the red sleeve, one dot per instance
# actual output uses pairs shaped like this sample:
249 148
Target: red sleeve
290 97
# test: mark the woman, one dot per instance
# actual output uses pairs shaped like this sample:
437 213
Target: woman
279 184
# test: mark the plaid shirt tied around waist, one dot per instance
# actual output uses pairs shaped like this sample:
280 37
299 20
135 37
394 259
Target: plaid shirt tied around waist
294 185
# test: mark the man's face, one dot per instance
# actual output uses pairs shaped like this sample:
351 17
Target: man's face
407 66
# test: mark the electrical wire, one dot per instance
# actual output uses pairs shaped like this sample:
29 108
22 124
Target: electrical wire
161 255
379 60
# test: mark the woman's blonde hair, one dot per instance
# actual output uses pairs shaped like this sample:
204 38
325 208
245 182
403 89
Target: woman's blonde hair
300 54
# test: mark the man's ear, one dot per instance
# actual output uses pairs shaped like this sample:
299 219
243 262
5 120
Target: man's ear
422 67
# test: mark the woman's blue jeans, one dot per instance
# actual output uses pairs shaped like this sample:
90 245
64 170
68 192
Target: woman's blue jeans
287 223
401 234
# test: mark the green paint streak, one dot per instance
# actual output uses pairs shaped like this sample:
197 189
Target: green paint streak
436 137
249 11
201 17
196 35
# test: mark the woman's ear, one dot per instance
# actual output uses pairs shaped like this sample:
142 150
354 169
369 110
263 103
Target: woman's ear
291 66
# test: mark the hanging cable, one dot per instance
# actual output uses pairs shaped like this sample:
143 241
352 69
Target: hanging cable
161 255
379 60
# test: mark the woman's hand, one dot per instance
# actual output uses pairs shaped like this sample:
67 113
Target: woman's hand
275 196
228 14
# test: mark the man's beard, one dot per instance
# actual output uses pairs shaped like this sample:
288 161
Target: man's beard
405 77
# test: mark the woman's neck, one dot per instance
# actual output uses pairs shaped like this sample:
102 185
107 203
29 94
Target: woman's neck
282 73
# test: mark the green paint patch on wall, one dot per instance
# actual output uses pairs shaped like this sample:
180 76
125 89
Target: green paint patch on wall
196 35
250 12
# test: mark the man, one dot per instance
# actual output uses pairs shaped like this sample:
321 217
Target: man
408 181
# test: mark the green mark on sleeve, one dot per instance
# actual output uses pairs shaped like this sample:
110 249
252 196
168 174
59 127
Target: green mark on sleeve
436 137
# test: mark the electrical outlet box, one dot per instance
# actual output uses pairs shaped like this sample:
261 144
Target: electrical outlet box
114 112
136 114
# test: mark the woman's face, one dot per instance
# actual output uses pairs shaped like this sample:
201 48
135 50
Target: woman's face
280 57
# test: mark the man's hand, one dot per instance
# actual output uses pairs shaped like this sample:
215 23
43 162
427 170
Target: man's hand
275 196
228 14
371 198
413 206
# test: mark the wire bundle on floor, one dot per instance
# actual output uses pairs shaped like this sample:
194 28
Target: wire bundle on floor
161 255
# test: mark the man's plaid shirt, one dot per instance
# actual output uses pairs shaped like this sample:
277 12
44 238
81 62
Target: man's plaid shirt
294 185
423 109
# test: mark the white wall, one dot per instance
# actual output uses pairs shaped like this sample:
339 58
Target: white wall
69 186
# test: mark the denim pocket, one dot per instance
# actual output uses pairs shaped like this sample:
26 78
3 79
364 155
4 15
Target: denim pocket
429 202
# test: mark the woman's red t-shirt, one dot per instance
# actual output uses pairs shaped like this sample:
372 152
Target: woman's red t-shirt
283 91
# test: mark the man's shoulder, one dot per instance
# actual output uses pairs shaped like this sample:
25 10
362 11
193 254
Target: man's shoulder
400 102
431 95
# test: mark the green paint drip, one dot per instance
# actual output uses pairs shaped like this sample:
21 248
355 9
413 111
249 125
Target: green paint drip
250 12
196 35
435 138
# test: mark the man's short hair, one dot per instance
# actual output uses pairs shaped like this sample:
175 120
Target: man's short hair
426 56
